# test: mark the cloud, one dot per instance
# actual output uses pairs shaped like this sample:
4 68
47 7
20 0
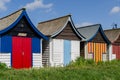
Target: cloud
37 4
2 4
115 9
48 10
84 24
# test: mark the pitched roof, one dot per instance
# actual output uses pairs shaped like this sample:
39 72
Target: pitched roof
89 32
8 22
112 34
54 26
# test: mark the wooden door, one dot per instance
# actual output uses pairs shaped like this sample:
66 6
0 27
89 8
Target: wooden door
67 52
21 52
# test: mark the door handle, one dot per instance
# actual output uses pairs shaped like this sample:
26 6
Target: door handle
23 53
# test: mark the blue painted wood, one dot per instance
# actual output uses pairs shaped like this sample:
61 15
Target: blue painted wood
0 43
6 44
67 52
36 45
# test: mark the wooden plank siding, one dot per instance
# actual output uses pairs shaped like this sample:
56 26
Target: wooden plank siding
98 38
97 49
45 53
23 27
116 50
75 50
68 33
5 58
82 49
37 60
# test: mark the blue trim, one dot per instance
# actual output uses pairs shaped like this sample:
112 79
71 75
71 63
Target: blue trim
36 45
0 43
104 36
102 33
93 36
28 19
6 44
77 32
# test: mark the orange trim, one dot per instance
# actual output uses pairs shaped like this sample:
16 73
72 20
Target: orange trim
98 51
88 47
92 45
94 53
105 48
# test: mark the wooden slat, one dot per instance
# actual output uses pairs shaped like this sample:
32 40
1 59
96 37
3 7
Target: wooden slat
94 52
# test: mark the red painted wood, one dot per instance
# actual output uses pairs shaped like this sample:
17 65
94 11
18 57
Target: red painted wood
27 58
21 52
116 50
16 52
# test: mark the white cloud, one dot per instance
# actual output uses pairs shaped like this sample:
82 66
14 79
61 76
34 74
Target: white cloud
37 4
84 24
115 9
48 10
2 4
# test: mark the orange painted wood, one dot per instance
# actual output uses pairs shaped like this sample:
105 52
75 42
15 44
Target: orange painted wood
94 52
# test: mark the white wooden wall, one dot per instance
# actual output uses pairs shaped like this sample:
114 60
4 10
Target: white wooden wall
90 56
37 60
75 50
111 55
86 51
104 57
57 51
110 52
5 58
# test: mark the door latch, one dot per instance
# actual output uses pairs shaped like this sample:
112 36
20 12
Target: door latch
23 53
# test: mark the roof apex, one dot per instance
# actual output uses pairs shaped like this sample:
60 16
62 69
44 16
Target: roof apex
89 26
20 10
69 15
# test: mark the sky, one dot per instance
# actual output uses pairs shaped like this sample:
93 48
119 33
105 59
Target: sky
84 12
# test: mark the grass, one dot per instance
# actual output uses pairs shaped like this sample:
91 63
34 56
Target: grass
79 70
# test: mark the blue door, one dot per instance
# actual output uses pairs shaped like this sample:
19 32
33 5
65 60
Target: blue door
67 52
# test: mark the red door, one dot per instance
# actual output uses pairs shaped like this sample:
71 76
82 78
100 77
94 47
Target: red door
21 52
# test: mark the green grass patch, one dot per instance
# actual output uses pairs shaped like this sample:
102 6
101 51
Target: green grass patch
81 69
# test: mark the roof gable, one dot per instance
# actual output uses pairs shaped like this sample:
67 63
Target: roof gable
68 33
14 18
112 34
55 26
89 32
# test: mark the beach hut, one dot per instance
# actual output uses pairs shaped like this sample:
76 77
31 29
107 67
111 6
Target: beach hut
95 45
20 41
114 36
64 41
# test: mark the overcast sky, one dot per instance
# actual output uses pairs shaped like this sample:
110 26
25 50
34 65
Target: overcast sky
84 12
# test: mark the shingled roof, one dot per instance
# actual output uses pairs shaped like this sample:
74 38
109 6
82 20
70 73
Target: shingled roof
112 34
55 26
8 20
89 32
